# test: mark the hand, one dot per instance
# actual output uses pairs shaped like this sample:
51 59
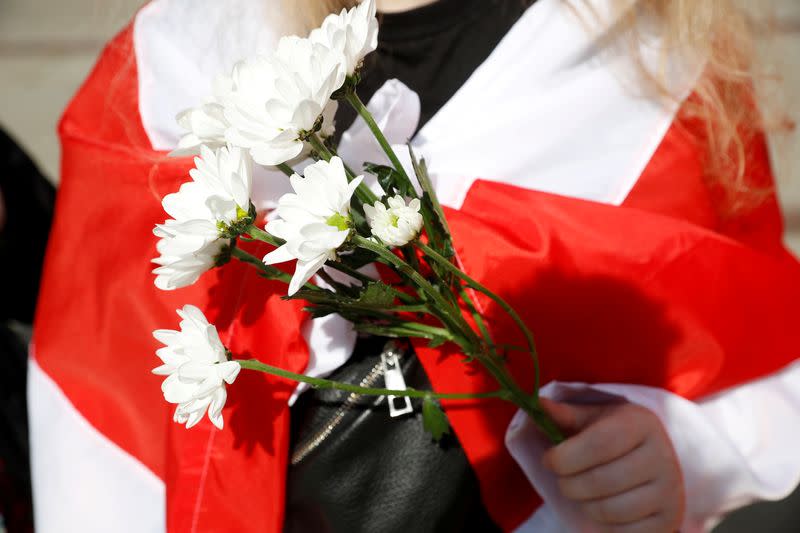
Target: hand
618 466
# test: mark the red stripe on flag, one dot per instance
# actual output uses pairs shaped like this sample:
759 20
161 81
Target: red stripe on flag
647 293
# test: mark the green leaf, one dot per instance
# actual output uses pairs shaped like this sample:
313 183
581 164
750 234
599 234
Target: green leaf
435 221
376 295
319 311
324 297
357 213
358 257
376 329
436 342
433 419
390 180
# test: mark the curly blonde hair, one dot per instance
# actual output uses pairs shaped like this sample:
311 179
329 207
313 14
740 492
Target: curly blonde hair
717 30
723 101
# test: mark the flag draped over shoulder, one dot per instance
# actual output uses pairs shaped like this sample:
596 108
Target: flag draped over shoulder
662 290
98 307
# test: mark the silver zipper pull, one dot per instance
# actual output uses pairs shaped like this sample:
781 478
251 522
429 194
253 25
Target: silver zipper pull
393 376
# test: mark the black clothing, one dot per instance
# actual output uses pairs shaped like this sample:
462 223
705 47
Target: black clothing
356 470
28 201
434 50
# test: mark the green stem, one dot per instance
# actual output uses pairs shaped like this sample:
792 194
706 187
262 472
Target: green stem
417 308
286 169
327 278
261 235
477 317
431 209
513 395
509 347
404 330
410 255
363 112
431 331
319 383
430 252
451 317
257 233
425 183
364 279
317 144
364 194
529 404
352 272
269 271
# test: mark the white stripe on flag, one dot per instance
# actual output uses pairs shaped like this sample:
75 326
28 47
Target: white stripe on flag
83 482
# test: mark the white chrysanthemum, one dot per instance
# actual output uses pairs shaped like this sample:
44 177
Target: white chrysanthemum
197 368
188 250
275 99
222 182
205 125
217 197
396 225
226 175
353 33
314 221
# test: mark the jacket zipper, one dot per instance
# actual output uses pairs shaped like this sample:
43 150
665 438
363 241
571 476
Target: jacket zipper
389 368
393 377
352 399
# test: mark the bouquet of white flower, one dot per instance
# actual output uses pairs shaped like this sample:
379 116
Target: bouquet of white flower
276 110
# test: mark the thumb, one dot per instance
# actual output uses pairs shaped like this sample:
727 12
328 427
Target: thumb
569 417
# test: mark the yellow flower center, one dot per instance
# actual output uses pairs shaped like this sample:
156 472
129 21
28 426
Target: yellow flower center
339 221
241 213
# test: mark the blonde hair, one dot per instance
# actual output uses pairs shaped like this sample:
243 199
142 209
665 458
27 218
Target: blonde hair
723 102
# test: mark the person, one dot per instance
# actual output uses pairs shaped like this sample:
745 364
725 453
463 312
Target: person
626 181
26 209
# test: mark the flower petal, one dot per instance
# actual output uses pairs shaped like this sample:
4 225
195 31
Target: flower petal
276 154
278 255
304 271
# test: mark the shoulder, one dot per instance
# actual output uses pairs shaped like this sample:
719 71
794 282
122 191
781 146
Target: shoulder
163 62
181 45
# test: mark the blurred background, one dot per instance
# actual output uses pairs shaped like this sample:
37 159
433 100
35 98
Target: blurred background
48 46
